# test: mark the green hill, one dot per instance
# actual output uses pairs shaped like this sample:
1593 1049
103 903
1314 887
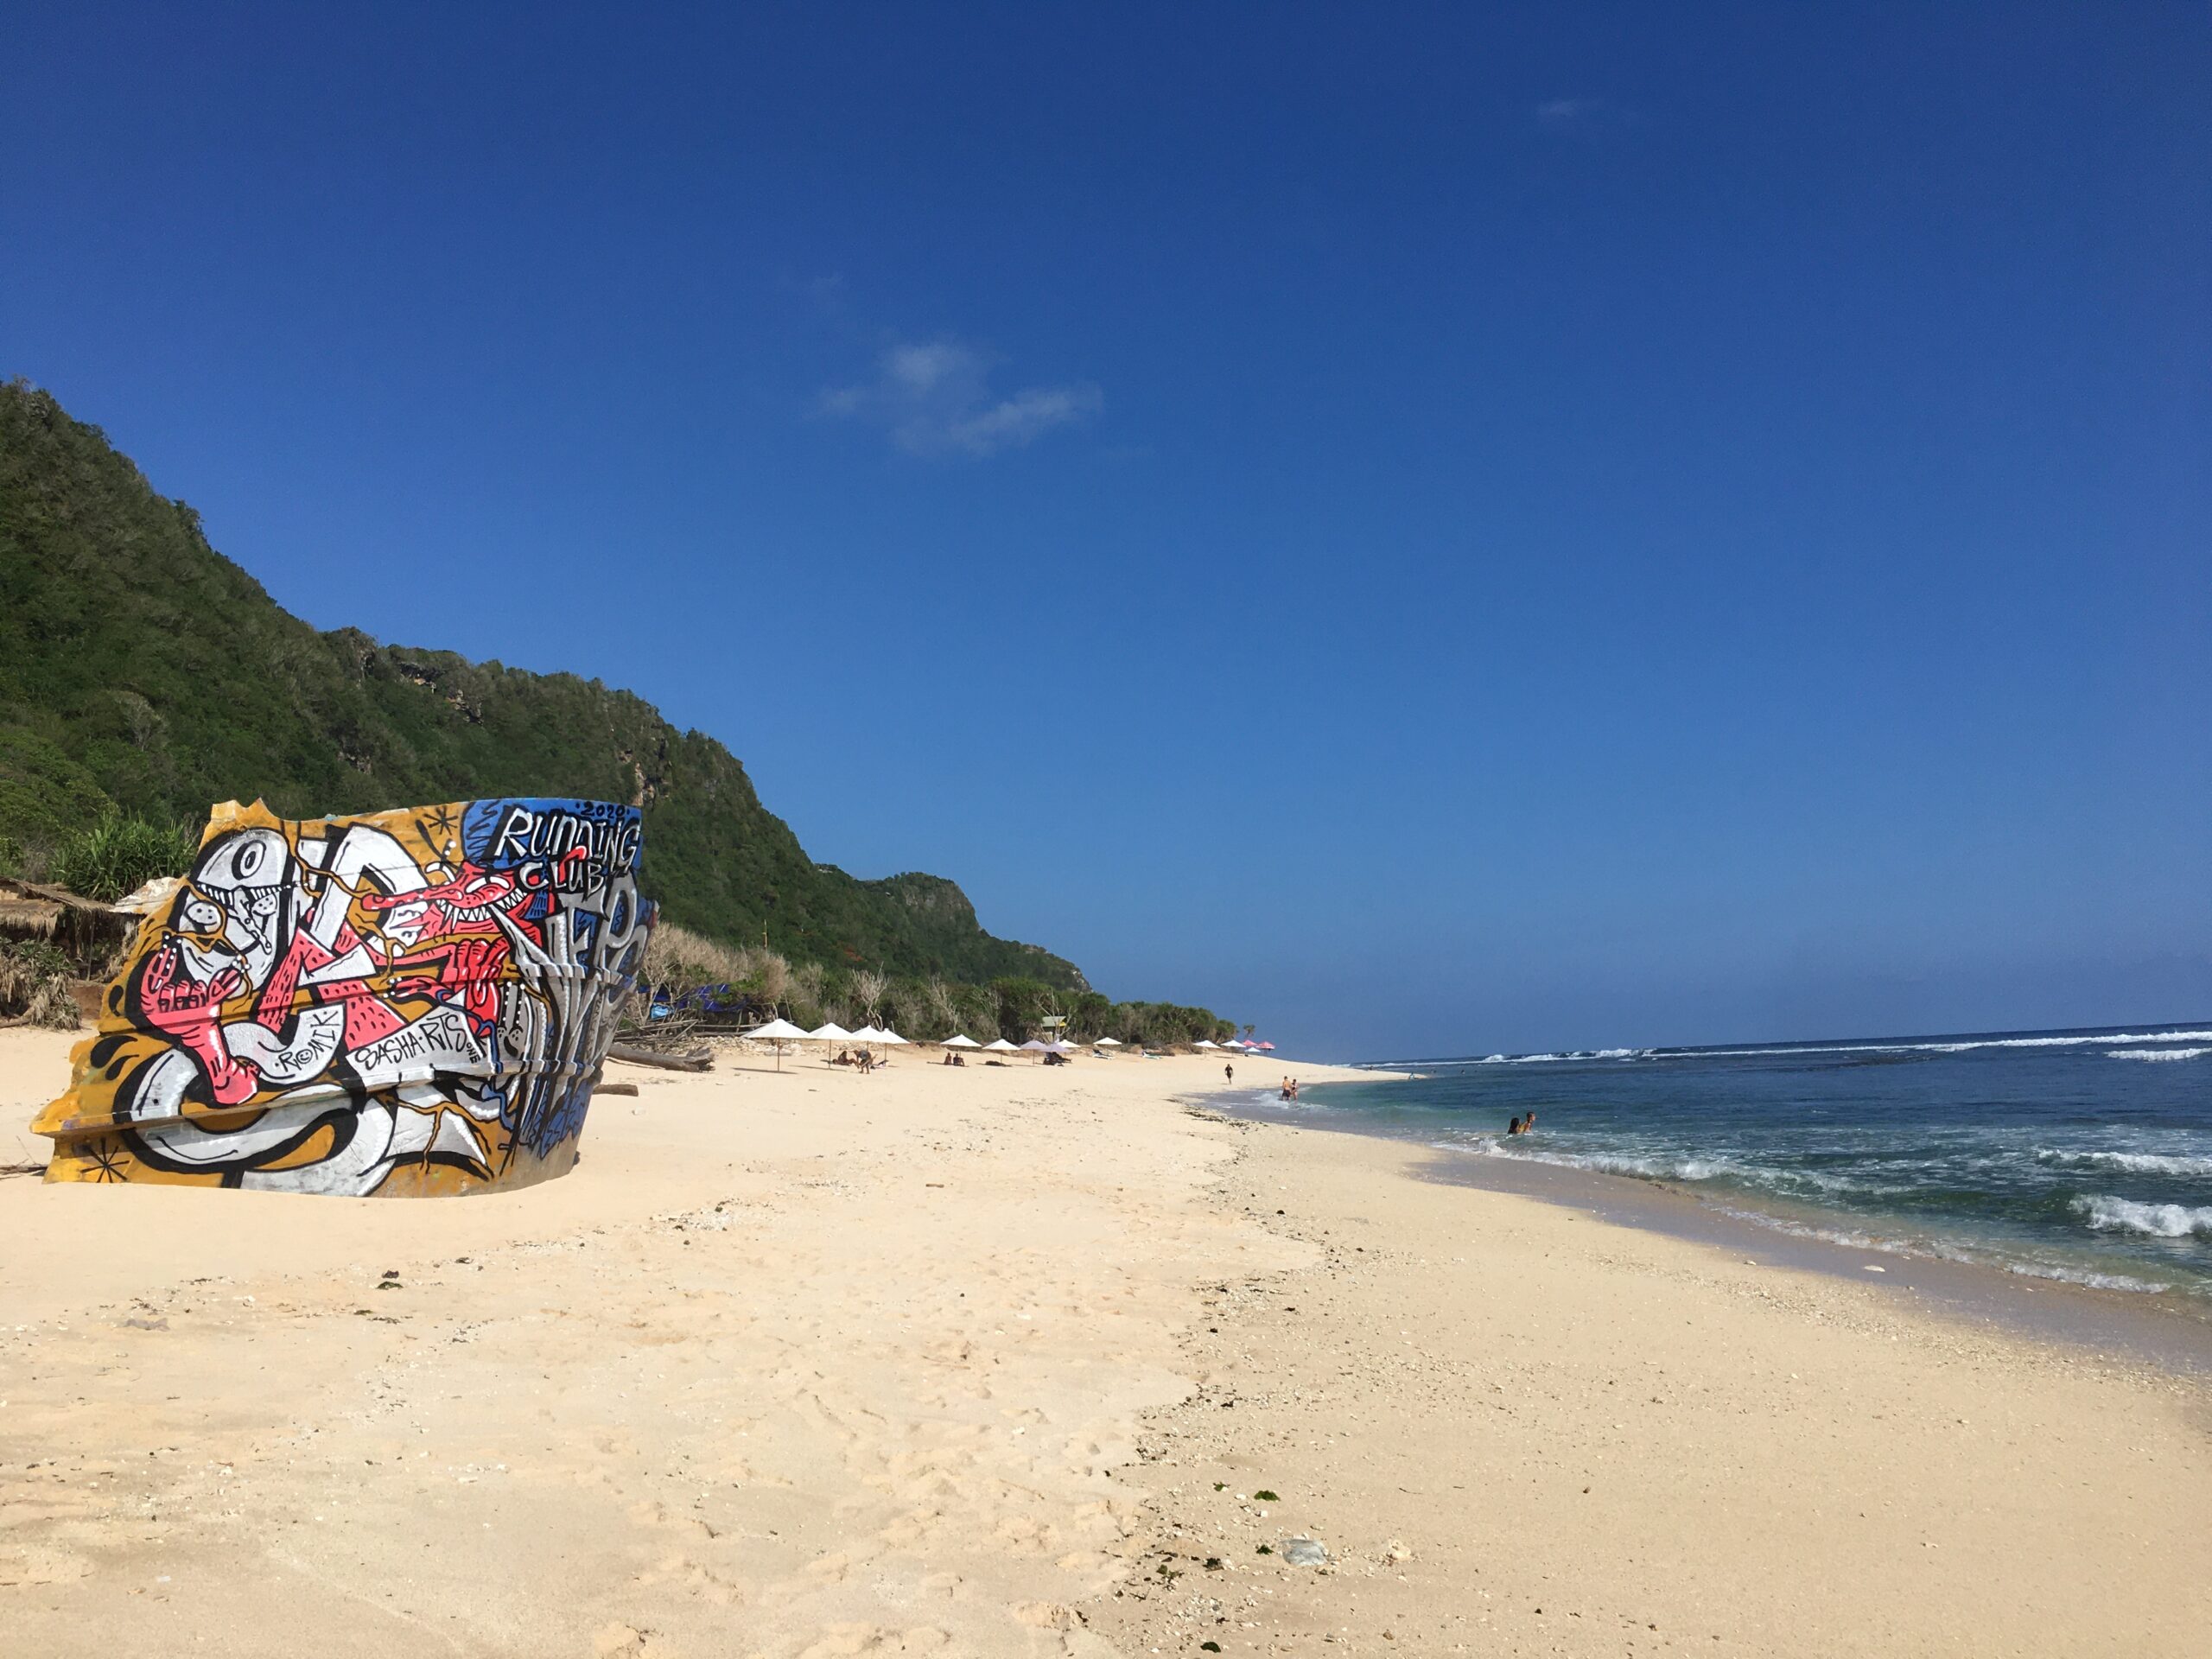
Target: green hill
142 672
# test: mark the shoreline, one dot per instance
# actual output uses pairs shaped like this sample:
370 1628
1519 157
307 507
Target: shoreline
1516 1427
2169 1331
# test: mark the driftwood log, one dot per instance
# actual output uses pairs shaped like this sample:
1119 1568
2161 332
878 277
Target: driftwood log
615 1089
697 1059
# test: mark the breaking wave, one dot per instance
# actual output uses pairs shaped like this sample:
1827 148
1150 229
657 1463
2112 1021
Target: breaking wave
2117 1045
2107 1214
1963 1045
1545 1059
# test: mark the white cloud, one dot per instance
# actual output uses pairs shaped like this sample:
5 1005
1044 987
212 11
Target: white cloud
934 399
1566 111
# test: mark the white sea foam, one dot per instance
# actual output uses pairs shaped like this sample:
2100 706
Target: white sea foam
1662 1166
1947 1251
1653 1168
2084 1276
2112 1040
1851 1238
2107 1214
2136 1163
1961 1047
1525 1060
1822 1181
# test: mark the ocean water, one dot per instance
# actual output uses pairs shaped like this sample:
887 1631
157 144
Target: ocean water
2081 1155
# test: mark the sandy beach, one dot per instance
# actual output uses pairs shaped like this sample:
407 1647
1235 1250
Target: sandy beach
1028 1361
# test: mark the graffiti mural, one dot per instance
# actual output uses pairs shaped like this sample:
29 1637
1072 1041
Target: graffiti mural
414 1001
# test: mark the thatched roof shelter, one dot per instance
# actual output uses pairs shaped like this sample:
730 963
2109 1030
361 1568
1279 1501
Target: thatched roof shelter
84 927
27 918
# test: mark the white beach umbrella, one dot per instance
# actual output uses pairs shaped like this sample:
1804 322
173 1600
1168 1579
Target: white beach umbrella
1204 1043
832 1033
1233 1043
1000 1044
1063 1046
779 1031
867 1034
893 1038
1108 1042
961 1040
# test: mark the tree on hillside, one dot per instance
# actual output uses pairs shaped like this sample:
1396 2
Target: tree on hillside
809 1002
1023 1004
938 995
768 977
867 987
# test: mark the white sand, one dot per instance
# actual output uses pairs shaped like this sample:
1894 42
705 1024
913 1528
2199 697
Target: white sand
814 1363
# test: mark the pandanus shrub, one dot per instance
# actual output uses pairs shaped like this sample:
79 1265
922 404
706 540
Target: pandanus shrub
118 855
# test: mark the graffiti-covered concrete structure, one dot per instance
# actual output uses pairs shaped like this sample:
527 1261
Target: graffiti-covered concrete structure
409 1002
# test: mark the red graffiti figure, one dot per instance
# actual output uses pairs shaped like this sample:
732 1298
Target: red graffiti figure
188 1010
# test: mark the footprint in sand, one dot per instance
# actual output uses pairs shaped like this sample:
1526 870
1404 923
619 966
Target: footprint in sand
839 1640
695 1578
38 1565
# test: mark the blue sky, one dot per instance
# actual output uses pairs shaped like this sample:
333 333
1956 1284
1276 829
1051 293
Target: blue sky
1423 530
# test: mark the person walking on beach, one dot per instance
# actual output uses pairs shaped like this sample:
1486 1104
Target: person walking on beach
1230 1072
